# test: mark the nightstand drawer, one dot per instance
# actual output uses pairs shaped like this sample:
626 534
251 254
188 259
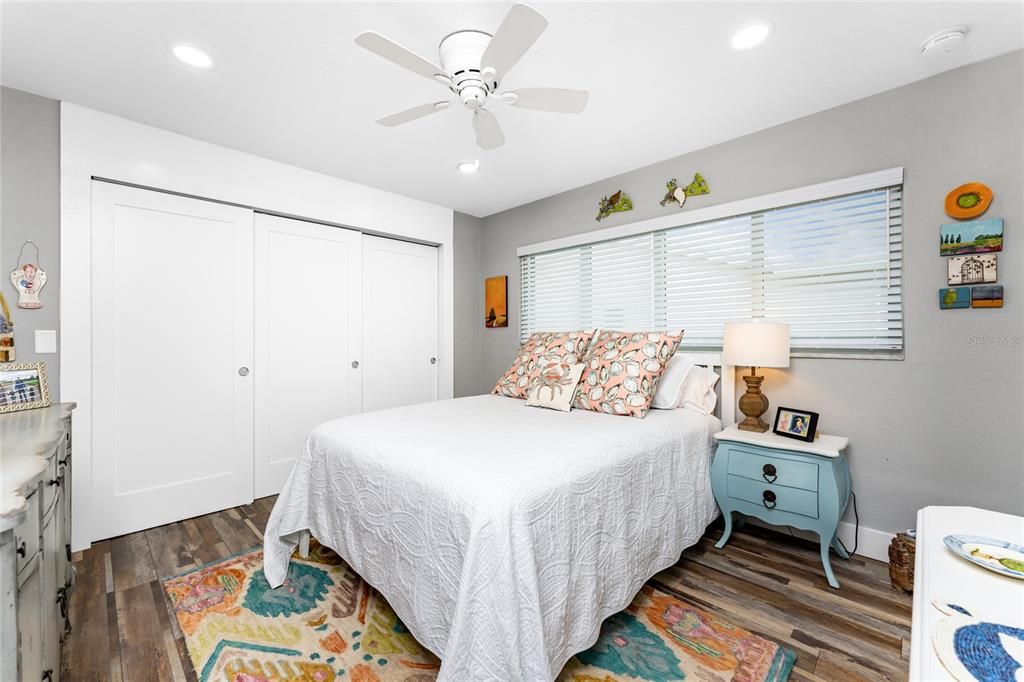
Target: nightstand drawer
754 465
774 497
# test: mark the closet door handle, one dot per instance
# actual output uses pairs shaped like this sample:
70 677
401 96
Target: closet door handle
433 361
355 364
243 371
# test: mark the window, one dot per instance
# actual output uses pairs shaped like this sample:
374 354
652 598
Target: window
830 266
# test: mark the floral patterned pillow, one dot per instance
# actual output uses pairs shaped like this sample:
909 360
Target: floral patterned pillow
539 350
556 386
622 371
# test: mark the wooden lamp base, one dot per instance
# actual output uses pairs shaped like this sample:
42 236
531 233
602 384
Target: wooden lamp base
753 404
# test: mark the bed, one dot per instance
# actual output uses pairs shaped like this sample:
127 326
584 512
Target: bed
502 535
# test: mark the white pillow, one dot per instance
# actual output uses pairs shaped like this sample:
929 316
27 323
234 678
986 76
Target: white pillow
666 396
685 384
698 390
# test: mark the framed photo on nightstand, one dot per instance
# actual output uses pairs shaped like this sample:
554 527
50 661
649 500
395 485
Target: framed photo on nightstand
797 424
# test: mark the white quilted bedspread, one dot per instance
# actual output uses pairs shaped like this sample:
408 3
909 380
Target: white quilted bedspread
502 535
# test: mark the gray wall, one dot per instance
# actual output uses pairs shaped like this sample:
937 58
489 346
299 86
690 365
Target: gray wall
30 209
469 304
943 426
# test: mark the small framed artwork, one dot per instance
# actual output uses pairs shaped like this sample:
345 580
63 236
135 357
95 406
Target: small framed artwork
987 297
496 301
975 236
979 268
23 386
954 297
798 424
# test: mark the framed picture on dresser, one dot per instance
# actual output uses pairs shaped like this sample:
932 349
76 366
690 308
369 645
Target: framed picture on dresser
23 386
798 424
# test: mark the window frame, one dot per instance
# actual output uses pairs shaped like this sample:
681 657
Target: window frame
875 181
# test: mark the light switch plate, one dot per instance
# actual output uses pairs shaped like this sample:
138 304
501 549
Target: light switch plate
46 341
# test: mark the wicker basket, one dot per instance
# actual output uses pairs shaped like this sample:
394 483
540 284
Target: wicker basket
901 562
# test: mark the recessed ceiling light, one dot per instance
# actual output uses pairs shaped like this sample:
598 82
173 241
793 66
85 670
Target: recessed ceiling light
751 35
945 41
192 56
468 167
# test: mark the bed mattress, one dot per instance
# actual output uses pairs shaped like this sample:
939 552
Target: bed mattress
502 535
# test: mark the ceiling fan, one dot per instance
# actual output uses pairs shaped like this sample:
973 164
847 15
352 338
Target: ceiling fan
473 63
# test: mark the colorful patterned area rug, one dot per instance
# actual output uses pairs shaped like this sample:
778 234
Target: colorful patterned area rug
326 624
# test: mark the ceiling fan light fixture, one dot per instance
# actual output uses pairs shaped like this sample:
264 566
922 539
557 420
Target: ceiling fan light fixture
469 166
192 55
751 35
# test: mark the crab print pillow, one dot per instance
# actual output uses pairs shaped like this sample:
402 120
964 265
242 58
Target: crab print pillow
555 386
622 371
539 350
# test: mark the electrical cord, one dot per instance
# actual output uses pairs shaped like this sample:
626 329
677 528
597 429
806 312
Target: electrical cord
856 527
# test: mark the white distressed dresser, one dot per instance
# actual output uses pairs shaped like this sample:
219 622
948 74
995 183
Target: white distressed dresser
36 575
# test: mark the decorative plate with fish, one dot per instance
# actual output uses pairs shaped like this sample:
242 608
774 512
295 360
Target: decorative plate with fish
998 556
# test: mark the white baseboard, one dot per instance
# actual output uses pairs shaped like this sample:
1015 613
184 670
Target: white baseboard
873 544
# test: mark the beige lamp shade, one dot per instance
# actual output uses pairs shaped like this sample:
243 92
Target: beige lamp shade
756 344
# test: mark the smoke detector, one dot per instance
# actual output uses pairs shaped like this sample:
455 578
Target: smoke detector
945 41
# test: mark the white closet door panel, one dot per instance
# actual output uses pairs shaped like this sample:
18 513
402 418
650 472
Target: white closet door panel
308 332
172 328
400 323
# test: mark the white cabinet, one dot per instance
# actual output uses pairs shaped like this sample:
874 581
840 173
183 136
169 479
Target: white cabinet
308 335
244 331
36 576
401 333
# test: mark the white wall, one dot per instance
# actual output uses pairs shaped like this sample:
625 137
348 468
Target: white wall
94 144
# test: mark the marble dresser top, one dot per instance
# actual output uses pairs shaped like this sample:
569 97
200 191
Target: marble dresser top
26 439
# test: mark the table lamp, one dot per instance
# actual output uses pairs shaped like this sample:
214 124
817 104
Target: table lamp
755 344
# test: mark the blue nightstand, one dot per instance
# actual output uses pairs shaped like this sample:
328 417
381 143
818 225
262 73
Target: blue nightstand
784 482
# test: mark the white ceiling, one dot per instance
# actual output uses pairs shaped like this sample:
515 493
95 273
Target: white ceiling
290 84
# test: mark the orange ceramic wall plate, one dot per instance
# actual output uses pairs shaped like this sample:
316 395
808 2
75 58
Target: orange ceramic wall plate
968 201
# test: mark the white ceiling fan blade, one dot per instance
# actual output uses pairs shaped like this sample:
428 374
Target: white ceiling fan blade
558 100
488 132
520 29
422 110
393 52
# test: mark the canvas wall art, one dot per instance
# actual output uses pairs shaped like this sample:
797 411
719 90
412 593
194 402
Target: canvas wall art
955 297
976 236
979 268
987 297
496 301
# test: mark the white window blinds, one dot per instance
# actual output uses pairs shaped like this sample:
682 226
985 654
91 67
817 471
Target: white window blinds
830 267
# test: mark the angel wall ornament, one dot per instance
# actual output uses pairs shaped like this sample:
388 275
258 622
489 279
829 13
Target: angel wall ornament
29 279
679 194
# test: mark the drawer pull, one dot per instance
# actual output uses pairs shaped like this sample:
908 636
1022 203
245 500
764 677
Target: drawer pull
55 481
768 499
22 550
769 473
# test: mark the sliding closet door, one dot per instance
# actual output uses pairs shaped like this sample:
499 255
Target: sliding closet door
308 333
172 348
400 323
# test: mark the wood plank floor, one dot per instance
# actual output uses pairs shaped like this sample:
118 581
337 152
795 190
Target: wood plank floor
764 581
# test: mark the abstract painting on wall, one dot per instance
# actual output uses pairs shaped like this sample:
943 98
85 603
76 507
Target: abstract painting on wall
980 268
496 301
976 236
955 297
987 297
